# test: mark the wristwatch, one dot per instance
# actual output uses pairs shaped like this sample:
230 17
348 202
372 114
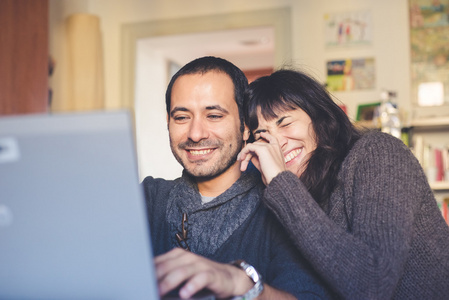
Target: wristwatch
255 277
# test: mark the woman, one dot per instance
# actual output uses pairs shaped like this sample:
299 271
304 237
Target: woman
357 205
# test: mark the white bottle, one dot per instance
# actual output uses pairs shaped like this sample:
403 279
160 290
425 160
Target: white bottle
390 121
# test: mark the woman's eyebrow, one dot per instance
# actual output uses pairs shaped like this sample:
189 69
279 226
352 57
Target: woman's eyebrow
278 122
259 131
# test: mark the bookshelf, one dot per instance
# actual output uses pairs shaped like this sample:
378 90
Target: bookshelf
440 186
433 133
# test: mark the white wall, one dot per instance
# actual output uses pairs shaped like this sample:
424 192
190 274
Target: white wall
390 45
115 13
389 48
153 147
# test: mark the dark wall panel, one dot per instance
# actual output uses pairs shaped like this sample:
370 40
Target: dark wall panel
23 56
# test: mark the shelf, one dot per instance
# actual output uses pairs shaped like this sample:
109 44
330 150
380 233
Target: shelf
365 125
431 122
440 185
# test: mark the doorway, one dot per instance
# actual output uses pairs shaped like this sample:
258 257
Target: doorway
153 50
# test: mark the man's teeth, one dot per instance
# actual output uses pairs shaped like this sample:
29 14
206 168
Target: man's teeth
292 155
200 152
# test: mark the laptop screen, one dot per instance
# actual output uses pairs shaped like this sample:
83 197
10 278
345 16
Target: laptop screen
73 222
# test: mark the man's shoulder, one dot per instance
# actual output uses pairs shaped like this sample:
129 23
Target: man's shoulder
152 181
156 188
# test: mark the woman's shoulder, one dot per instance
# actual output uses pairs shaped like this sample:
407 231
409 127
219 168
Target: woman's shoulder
375 135
380 141
380 149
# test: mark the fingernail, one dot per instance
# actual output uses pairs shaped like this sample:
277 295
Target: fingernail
185 292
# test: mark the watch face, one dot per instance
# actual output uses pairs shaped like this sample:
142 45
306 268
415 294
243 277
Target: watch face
255 277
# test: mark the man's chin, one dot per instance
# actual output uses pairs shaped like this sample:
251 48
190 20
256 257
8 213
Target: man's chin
202 175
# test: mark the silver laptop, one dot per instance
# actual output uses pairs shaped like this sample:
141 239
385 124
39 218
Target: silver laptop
73 222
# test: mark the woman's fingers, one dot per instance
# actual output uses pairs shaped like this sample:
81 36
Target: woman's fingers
268 137
266 156
244 156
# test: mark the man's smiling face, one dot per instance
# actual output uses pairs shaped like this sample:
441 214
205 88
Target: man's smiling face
204 124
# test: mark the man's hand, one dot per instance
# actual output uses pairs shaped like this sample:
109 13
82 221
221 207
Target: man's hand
178 266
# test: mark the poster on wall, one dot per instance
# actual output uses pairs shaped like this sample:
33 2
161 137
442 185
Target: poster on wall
350 28
429 42
351 74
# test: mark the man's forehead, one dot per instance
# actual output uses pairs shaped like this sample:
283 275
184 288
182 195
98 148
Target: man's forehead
210 90
208 75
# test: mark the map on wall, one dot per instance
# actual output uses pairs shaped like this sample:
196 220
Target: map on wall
429 41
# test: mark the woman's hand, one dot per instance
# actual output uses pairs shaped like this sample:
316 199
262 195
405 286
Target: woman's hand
178 266
266 155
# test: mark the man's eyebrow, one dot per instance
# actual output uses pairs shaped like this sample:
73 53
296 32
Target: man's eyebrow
217 107
176 109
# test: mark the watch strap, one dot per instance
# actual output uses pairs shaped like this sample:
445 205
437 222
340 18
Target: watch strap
255 277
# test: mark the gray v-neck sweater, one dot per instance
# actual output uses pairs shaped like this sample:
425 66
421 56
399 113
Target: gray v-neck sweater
381 234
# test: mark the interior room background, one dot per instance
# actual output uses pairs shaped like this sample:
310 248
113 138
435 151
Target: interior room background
135 45
304 35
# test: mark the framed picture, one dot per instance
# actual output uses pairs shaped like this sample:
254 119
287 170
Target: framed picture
351 74
348 28
429 31
366 112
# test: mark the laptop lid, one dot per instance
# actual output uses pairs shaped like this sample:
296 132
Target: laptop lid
73 221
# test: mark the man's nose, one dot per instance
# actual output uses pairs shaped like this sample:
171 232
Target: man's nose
197 130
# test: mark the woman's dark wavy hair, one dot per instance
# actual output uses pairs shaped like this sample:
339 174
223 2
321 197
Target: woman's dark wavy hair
335 134
206 64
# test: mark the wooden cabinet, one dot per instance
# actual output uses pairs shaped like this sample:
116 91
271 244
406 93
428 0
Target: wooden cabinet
23 56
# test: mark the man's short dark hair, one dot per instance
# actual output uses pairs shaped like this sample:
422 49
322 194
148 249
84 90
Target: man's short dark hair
206 64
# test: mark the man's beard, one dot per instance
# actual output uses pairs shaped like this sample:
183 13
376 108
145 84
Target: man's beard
220 164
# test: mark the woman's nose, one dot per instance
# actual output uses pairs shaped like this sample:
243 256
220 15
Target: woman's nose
282 140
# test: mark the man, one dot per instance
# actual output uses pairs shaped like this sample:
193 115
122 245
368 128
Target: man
213 211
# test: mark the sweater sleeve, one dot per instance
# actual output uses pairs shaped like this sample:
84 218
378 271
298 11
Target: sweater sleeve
360 246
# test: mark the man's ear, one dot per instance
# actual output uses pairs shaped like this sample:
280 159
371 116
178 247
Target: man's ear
246 133
168 119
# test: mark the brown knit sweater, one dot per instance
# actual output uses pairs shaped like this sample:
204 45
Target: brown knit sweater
381 234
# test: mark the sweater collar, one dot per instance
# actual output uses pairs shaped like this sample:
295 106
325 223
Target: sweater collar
209 225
